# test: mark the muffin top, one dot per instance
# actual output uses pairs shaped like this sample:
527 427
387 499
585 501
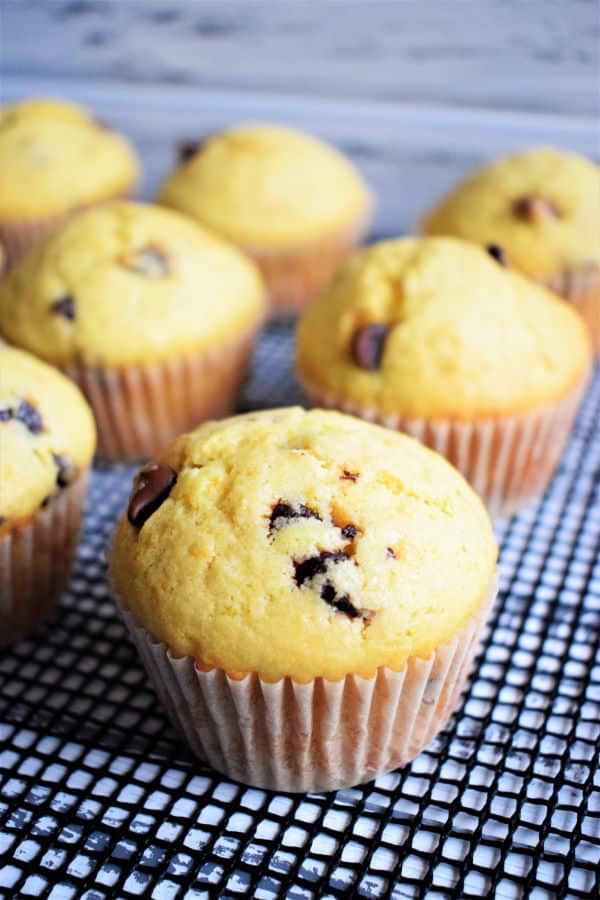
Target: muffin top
55 156
542 207
265 185
302 543
437 328
127 283
47 434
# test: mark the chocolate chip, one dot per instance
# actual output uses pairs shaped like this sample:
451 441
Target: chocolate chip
328 593
497 253
317 565
284 512
535 207
368 344
306 569
66 470
64 307
149 261
45 502
25 413
187 149
342 604
349 476
151 488
349 532
29 416
391 553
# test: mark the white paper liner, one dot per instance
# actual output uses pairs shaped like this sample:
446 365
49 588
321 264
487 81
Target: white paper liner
139 409
581 287
35 561
508 461
320 736
296 275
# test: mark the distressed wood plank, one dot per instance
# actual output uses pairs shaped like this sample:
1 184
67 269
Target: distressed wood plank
410 154
507 54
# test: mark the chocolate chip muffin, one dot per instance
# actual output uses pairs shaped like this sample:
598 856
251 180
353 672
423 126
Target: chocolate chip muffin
47 440
150 314
293 203
306 591
436 337
55 158
542 208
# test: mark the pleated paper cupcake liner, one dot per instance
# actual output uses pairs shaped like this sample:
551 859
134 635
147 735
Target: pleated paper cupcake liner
320 736
508 461
581 287
36 559
296 275
18 236
139 409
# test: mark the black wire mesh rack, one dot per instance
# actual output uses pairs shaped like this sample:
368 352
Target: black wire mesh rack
99 798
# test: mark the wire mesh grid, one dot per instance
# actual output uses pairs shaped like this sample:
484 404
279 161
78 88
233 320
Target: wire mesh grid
99 798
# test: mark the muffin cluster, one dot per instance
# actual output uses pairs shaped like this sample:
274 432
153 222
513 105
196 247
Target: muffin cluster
55 158
306 589
149 313
542 207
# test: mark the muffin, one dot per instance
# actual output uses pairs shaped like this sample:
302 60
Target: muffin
55 158
306 592
435 337
542 209
152 316
293 203
47 440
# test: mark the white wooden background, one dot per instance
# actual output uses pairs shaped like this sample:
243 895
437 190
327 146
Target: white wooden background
416 91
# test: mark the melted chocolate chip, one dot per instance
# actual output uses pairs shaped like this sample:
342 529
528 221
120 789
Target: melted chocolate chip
342 604
349 532
151 488
349 476
368 344
535 207
29 416
64 307
497 253
317 565
149 261
66 470
306 569
391 553
285 512
26 413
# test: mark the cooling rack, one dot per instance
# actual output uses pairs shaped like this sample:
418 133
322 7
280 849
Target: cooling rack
99 798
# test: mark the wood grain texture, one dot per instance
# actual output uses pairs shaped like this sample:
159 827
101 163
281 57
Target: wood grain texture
409 153
538 55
